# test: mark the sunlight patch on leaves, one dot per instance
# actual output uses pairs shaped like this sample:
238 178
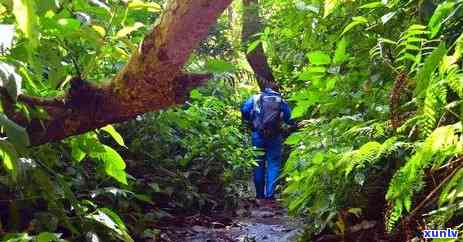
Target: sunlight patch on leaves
24 12
113 163
9 157
112 221
430 65
330 6
114 134
318 58
129 29
441 14
145 5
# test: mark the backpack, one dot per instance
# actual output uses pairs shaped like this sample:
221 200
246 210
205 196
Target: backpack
267 114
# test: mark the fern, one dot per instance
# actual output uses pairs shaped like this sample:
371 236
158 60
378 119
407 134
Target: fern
372 129
377 52
391 146
409 46
441 144
408 125
370 153
455 82
424 75
434 103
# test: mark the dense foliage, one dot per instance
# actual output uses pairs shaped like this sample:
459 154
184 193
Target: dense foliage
112 184
375 85
378 87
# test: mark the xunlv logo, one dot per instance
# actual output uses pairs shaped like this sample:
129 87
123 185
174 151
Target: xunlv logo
440 233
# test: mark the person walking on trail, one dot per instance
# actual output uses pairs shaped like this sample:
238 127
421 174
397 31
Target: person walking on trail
266 112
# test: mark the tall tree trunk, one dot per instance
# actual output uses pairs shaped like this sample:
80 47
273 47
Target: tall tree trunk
150 81
252 25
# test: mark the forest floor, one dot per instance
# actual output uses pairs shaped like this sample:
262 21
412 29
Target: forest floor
250 223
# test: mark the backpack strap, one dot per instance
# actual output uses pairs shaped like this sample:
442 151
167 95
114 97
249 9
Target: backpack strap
256 101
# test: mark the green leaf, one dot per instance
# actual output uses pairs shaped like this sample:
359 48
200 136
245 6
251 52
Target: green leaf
313 73
330 84
142 5
17 237
430 65
114 134
407 203
458 47
319 58
295 138
114 217
113 163
219 66
195 94
385 18
119 53
69 24
24 12
47 237
301 108
340 55
100 30
304 76
330 6
9 157
129 29
441 14
356 21
253 45
112 221
16 134
372 5
316 70
387 41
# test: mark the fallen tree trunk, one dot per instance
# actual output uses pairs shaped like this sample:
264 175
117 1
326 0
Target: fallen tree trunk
150 81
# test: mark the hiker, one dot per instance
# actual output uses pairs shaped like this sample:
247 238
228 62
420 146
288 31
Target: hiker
265 112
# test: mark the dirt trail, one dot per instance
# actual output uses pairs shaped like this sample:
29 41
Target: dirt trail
259 224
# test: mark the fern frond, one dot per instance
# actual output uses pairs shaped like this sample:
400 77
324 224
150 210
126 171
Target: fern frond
409 46
373 129
455 83
434 103
370 153
441 144
409 124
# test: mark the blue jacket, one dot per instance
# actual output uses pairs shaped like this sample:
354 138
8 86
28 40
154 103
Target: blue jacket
246 111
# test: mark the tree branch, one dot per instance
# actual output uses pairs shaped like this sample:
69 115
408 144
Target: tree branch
150 81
